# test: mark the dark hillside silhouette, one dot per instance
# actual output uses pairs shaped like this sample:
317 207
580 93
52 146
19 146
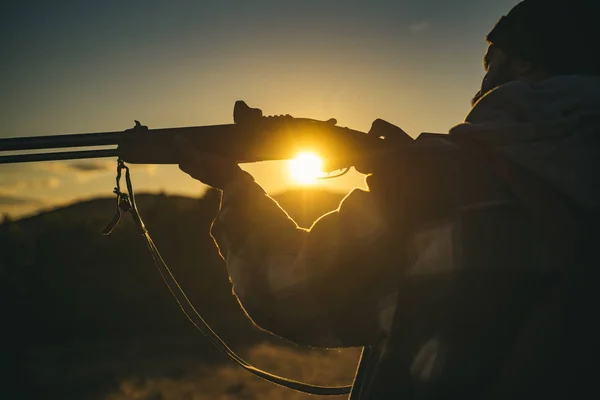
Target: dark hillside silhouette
76 300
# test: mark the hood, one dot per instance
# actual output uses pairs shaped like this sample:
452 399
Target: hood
551 128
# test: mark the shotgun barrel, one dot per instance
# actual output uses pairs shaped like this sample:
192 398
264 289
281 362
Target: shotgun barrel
60 141
55 156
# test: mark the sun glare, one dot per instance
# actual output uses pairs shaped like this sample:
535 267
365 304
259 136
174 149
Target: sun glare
306 168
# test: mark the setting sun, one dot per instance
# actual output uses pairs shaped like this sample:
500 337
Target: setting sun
306 168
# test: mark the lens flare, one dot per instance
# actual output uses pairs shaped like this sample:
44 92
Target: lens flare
306 168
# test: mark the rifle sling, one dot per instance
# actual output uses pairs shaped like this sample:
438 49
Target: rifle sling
126 203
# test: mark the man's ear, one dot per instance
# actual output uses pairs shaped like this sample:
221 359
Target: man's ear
528 70
522 67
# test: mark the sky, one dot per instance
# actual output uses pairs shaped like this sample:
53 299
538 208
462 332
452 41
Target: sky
94 66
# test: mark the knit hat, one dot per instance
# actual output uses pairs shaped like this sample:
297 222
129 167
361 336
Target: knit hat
562 36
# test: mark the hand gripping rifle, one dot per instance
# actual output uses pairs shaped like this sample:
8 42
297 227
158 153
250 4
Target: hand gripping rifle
251 138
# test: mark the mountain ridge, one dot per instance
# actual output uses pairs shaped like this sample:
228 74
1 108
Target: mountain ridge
69 290
58 265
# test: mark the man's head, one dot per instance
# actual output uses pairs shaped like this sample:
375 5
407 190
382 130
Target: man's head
541 38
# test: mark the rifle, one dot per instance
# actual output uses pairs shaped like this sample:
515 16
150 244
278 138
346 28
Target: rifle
251 138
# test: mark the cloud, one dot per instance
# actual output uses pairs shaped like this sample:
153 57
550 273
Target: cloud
53 182
9 200
43 183
83 170
87 166
419 27
91 166
89 169
13 186
150 169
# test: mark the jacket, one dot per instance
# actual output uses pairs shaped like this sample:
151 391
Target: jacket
437 267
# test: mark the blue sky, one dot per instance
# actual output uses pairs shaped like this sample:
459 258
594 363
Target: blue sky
88 66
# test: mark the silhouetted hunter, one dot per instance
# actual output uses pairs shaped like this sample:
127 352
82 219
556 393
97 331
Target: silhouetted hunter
440 269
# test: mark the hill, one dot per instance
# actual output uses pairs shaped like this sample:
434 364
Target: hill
76 300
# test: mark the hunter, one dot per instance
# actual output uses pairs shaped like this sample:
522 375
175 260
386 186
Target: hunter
438 268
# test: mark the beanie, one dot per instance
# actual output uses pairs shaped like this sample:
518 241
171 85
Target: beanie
562 36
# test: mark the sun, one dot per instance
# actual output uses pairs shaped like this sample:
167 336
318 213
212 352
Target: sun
306 168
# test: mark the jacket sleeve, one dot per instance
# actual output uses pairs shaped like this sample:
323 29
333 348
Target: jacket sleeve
323 287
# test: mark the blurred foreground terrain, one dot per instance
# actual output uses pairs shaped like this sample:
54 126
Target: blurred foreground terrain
87 316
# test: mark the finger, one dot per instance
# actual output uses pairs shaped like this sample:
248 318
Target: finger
199 164
199 174
194 165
